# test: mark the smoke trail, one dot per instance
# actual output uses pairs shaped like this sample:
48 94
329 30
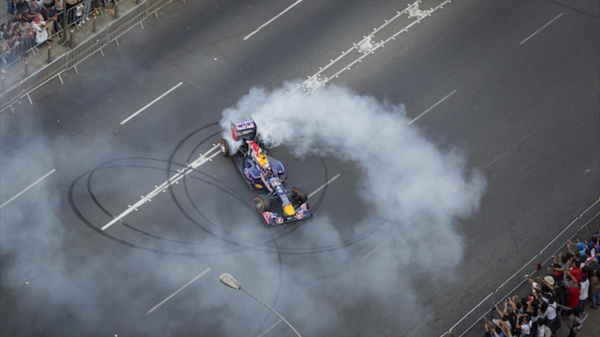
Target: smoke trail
422 189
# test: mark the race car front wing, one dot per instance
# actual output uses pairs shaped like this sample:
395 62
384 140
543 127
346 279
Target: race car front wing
273 219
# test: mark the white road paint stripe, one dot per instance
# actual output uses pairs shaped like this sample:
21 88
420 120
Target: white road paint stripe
381 245
28 187
539 30
433 106
180 289
273 19
269 329
149 104
204 158
323 186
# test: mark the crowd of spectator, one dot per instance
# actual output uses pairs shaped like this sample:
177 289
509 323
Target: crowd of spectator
32 23
556 300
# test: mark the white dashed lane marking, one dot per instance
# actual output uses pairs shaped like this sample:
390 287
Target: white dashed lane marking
273 19
26 189
539 30
433 106
149 104
178 290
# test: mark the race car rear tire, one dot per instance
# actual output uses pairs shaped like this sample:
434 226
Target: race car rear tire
262 203
225 148
300 194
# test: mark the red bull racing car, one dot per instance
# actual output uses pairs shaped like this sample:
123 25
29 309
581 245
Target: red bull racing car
277 205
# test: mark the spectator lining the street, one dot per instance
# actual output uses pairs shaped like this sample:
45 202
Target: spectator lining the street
572 280
575 321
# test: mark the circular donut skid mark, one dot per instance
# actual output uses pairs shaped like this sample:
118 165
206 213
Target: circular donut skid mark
268 244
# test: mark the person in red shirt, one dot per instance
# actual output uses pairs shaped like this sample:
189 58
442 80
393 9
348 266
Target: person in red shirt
575 270
574 292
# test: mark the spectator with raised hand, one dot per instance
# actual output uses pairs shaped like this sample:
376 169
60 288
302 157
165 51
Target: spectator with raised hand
536 288
489 327
575 321
548 283
505 317
556 269
523 325
496 331
575 270
576 248
505 327
574 291
533 309
589 257
514 306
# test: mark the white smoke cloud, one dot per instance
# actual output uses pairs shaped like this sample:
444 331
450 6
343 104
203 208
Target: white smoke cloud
420 188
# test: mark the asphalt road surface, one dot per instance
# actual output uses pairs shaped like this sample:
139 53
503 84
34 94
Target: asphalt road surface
512 85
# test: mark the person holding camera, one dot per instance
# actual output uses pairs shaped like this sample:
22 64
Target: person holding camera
575 321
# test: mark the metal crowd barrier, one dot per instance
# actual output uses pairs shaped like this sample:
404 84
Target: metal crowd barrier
128 21
78 54
43 76
86 49
508 287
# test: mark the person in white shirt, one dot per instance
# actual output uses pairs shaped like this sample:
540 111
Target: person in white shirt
584 283
524 325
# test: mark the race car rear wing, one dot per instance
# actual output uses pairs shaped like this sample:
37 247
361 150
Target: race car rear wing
246 129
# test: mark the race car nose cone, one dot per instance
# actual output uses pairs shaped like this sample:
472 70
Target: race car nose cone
289 210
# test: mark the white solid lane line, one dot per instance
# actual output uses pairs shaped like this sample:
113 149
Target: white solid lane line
269 328
204 158
433 106
323 186
539 30
180 289
149 104
273 19
28 187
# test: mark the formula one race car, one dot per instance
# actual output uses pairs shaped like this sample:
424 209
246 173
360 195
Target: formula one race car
277 205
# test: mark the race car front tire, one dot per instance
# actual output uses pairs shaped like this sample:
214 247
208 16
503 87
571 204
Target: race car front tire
262 203
300 193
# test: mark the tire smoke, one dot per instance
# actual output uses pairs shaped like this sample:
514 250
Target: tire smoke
421 189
